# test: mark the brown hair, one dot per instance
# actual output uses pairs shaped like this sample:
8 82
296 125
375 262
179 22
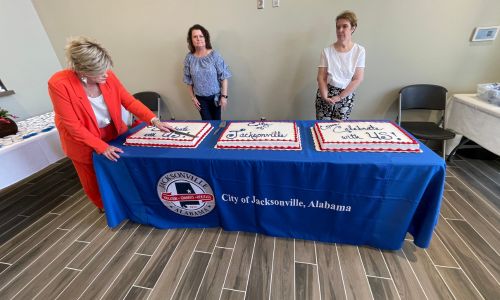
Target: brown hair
349 16
208 45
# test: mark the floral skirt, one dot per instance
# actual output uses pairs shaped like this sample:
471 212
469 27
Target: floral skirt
340 110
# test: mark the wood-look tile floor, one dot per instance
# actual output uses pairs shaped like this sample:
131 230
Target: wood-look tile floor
55 245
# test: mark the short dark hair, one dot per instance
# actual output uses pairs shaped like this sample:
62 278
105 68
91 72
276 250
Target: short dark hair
205 34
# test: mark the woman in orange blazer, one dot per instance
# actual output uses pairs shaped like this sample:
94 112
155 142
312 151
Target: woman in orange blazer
87 99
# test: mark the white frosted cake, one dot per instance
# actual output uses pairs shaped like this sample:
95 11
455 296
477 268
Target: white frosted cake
370 136
150 136
279 135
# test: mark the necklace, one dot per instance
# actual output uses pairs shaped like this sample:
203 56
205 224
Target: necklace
92 90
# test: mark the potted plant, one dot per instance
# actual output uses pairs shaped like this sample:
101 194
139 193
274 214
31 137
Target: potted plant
7 125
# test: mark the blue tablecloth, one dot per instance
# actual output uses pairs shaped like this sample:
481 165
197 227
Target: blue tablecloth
356 198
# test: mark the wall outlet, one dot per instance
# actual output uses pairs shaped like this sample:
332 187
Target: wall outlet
260 4
276 3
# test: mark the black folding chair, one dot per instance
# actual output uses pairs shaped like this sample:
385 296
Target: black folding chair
425 97
153 101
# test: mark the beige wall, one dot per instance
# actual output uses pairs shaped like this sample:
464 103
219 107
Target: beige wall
273 53
27 59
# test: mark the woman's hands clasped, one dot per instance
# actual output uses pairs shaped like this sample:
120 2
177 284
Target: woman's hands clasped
333 100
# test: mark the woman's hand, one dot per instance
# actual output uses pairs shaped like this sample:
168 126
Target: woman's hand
223 103
328 100
162 126
336 99
111 153
196 103
333 100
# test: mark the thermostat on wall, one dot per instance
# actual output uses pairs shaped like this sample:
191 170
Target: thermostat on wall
485 33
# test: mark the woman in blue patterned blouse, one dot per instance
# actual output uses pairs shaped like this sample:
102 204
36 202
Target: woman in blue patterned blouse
206 74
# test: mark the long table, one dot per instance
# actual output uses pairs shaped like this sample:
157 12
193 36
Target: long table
22 159
475 119
356 198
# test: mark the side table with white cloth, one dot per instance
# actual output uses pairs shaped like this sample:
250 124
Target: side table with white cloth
473 118
32 149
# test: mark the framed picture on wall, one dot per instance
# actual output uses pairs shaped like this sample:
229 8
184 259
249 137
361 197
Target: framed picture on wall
485 33
2 87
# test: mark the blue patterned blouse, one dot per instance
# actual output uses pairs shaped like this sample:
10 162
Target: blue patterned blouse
205 73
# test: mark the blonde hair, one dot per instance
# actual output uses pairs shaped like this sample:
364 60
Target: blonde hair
349 16
87 56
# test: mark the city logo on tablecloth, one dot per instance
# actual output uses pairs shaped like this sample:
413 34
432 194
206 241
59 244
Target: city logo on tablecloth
185 194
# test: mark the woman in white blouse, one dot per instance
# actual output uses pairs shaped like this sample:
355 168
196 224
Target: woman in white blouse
340 71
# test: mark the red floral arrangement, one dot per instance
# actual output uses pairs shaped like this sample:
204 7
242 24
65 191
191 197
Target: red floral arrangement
7 126
4 114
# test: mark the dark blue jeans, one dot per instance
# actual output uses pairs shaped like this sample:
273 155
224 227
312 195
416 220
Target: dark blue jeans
209 111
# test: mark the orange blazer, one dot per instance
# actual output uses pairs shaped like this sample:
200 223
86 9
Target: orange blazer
75 118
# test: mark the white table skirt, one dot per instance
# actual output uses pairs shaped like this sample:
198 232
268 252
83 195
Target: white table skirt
25 158
475 119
